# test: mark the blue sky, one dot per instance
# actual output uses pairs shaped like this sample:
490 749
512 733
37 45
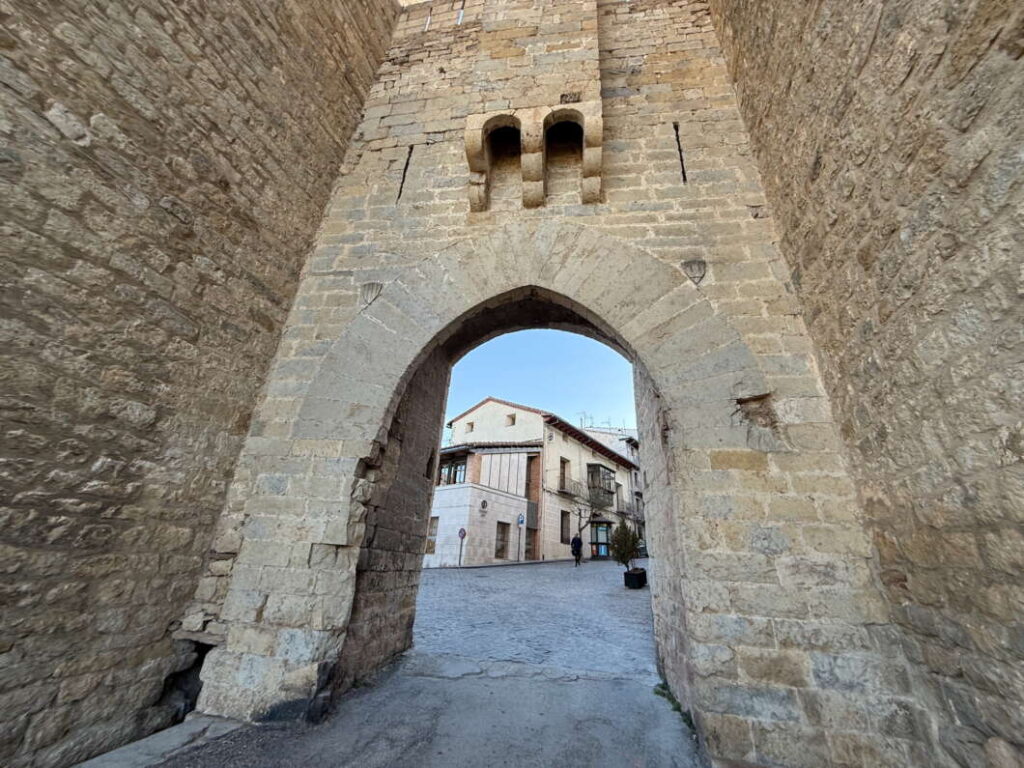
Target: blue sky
564 373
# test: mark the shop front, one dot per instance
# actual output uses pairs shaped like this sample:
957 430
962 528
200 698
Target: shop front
600 535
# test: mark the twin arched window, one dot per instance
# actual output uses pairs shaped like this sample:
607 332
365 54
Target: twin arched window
540 161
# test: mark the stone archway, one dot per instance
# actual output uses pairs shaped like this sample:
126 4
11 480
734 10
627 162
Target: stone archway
765 613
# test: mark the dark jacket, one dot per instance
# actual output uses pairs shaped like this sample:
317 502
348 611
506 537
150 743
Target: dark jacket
576 545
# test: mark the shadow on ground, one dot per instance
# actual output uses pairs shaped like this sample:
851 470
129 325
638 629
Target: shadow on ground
523 666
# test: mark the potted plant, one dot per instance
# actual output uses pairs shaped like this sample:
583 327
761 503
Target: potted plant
625 546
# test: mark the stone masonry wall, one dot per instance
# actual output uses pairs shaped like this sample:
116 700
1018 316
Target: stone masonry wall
890 138
391 554
162 171
769 621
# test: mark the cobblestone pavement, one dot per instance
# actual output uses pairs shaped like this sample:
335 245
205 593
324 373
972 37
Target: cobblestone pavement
551 614
537 665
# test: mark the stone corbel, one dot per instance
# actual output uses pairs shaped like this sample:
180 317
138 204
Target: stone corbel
533 124
533 160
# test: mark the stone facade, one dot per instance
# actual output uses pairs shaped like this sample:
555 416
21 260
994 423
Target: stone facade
900 201
768 618
460 506
163 170
165 167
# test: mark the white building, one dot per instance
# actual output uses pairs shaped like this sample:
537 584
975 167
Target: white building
624 440
520 482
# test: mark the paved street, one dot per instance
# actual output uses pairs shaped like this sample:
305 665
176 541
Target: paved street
520 666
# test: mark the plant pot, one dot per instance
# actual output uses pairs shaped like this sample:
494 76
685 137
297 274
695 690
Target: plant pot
635 578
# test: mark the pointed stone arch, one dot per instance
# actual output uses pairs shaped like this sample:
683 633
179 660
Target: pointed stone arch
332 489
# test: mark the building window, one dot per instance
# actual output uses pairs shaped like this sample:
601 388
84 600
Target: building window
564 475
566 525
599 476
432 536
501 541
510 420
452 472
469 426
600 486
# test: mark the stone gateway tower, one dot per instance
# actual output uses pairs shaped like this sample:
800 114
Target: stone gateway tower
244 242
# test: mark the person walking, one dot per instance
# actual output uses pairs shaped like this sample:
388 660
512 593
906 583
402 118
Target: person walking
576 545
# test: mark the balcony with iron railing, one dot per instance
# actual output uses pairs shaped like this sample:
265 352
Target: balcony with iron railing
571 487
595 495
631 509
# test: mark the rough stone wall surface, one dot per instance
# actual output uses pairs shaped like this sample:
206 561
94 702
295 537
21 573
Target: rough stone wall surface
890 138
391 550
163 168
525 53
769 622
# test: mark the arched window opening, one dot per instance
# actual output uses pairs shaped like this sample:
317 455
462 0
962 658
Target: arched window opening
504 151
563 161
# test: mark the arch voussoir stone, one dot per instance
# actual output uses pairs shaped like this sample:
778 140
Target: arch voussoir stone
316 602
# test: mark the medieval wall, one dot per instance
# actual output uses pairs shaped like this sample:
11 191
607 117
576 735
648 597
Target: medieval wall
163 169
889 136
768 619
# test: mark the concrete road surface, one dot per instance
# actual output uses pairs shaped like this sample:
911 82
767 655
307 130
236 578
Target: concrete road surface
537 665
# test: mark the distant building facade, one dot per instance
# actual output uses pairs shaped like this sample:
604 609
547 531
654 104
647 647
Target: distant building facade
625 441
520 482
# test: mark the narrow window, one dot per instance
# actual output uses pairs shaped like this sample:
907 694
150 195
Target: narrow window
510 420
501 541
566 525
563 475
504 151
432 536
563 157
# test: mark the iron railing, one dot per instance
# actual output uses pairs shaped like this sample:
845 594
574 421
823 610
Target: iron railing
596 496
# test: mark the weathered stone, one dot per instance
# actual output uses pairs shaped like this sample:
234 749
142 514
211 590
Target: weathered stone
154 270
904 250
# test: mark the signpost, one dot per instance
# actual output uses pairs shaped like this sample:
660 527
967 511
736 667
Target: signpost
519 546
462 538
